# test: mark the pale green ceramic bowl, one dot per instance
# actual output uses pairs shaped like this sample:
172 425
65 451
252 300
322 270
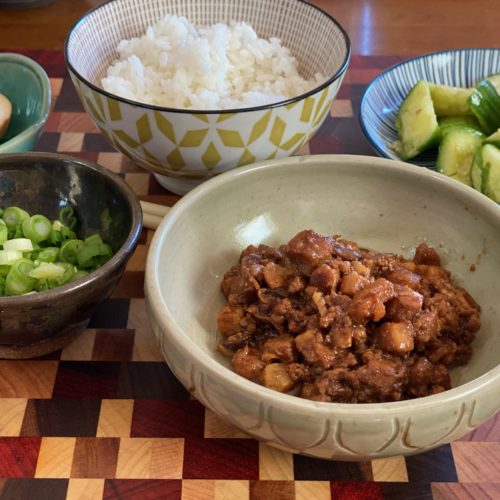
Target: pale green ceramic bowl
27 86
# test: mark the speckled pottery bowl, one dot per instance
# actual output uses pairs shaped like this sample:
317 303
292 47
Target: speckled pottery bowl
38 323
382 204
185 147
26 85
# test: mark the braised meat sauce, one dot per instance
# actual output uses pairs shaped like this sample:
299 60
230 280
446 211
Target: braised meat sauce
326 320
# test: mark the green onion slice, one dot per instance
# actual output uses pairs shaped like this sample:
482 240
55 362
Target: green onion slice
37 228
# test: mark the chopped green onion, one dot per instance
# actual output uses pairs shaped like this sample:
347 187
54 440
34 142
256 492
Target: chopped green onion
47 271
9 257
18 281
37 228
39 254
4 232
69 250
14 216
48 254
67 217
21 244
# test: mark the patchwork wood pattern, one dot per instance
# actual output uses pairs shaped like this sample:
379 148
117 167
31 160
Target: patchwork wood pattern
106 418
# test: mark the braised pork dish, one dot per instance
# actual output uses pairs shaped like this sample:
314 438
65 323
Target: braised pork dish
326 320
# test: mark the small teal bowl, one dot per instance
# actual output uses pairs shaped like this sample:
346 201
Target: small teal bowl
27 86
383 97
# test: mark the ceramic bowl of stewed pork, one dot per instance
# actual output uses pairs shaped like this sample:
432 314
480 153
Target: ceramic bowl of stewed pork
340 307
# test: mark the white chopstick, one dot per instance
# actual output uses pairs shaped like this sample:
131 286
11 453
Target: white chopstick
152 214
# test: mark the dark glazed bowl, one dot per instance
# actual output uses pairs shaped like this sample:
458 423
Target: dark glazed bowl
42 322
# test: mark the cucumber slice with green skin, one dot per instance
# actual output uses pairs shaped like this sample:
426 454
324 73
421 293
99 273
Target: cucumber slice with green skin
456 153
451 122
494 139
416 123
476 172
495 80
450 101
490 158
485 104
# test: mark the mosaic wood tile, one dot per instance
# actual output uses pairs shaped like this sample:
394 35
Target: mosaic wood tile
95 457
11 416
115 418
27 379
167 419
274 464
221 459
85 489
55 457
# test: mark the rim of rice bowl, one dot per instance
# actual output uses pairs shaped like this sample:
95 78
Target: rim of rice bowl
285 102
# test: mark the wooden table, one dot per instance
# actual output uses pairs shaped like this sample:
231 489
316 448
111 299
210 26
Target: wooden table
105 417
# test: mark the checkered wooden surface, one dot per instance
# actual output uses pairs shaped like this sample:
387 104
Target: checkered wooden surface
105 417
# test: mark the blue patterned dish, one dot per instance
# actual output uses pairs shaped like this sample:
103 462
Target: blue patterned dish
382 98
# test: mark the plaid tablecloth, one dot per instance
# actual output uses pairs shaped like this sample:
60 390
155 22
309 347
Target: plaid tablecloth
106 418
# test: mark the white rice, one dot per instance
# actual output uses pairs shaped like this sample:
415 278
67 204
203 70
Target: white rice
178 65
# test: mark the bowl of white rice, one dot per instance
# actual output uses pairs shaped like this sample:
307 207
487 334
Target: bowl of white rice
190 89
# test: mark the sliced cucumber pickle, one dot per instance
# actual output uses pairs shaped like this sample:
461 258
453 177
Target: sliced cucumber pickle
456 153
450 101
476 172
416 123
485 104
490 158
494 139
451 122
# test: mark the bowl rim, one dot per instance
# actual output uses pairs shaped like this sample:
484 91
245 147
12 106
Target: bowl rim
339 73
383 74
118 257
44 82
225 375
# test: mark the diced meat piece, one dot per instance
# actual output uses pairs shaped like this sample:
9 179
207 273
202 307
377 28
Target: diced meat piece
405 305
325 278
276 276
359 336
396 337
319 302
228 320
403 276
275 376
248 363
341 332
346 250
353 283
308 250
299 372
361 269
425 254
384 263
280 348
425 327
296 285
310 345
331 386
442 351
368 304
237 340
377 381
434 274
442 380
420 377
238 288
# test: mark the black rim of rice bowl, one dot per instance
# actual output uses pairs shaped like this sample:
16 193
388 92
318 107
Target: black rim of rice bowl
313 91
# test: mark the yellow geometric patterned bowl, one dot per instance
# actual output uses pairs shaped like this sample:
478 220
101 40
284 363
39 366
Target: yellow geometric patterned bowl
185 147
